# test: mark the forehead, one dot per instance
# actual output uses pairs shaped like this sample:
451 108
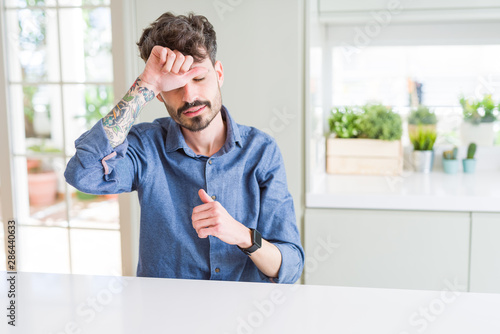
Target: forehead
206 62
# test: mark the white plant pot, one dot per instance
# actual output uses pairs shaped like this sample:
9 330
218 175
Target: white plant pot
482 134
423 161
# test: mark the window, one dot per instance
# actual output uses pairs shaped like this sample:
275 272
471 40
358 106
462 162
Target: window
447 58
443 73
60 82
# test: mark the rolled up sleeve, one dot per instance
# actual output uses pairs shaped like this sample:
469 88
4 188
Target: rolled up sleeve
98 168
277 222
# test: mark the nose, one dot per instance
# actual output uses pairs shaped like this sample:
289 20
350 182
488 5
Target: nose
189 93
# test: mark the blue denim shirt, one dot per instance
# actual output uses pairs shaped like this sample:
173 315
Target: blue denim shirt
247 176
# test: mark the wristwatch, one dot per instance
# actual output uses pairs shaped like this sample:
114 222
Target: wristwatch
256 242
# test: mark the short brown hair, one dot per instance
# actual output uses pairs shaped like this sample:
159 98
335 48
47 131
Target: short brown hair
191 35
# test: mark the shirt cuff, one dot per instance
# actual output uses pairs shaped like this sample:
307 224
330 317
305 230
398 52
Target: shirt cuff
291 265
93 148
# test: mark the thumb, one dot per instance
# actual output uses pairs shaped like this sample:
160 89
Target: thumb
194 72
204 196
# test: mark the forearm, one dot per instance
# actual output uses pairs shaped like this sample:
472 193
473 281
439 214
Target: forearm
120 119
267 259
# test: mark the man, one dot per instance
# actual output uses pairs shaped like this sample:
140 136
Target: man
213 193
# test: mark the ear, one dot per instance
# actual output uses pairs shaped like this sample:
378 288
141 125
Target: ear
219 72
159 97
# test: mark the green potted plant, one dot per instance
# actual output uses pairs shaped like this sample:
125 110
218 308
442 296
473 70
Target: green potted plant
469 163
479 118
380 122
423 140
344 122
489 109
422 117
364 140
450 161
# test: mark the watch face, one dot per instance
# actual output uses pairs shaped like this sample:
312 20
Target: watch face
256 238
256 242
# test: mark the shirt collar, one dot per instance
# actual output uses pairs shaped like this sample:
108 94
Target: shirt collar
175 138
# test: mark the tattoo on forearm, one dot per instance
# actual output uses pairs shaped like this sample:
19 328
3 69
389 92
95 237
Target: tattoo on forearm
118 122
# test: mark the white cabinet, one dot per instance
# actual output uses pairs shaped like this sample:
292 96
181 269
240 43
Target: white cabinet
397 11
386 249
371 5
485 253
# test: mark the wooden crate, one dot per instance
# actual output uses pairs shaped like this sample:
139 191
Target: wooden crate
364 156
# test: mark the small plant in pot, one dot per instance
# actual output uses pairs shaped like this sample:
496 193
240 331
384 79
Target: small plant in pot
450 161
470 163
489 109
479 118
422 117
423 149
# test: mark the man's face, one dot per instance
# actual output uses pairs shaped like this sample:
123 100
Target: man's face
196 104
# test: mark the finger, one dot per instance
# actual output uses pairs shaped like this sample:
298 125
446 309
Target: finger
159 55
205 232
210 213
179 60
163 55
204 196
187 64
170 61
204 223
195 72
204 207
156 52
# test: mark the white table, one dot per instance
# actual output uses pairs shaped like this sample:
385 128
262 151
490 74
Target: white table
57 303
436 191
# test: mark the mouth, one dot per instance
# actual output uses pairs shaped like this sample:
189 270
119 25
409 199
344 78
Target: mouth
194 111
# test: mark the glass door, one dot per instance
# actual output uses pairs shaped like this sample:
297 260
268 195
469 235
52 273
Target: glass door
60 83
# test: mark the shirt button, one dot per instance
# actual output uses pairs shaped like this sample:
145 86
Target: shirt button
213 197
209 162
217 270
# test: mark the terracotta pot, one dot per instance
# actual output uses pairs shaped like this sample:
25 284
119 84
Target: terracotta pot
42 188
33 164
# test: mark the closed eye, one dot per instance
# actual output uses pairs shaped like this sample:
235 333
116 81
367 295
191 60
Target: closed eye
200 79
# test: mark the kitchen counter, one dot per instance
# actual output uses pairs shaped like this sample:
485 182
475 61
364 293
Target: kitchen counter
58 303
437 191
